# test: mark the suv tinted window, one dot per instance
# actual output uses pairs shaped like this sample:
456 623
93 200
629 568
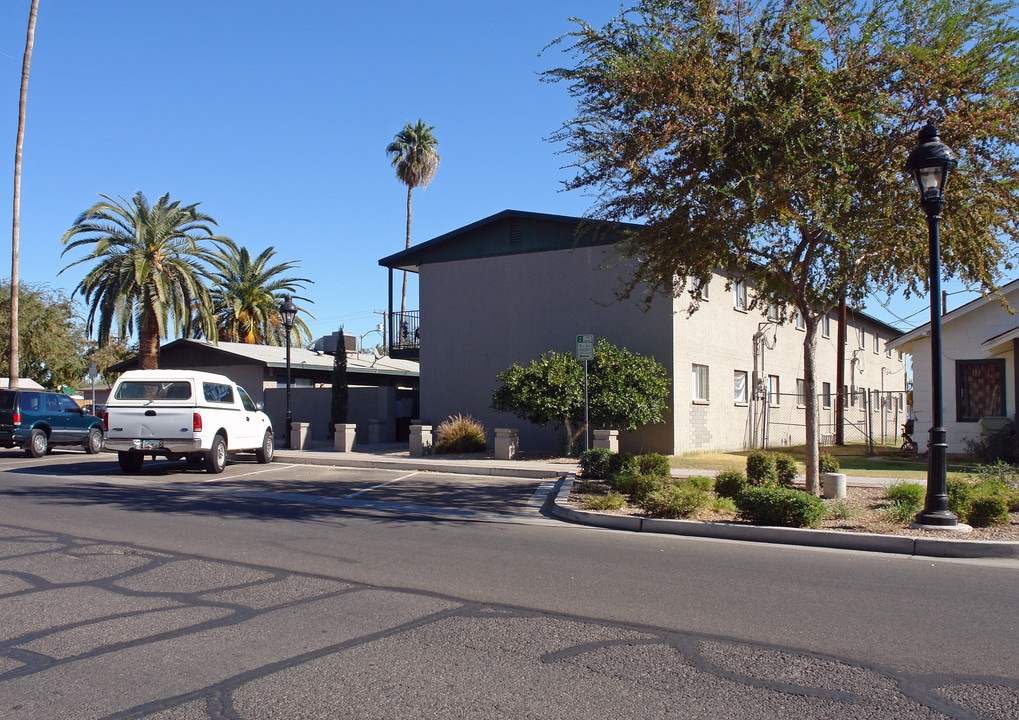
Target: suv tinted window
7 399
32 402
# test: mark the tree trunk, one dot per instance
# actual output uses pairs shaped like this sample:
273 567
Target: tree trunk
14 361
148 344
810 402
403 297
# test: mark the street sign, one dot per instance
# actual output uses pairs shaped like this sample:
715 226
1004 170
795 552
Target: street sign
585 347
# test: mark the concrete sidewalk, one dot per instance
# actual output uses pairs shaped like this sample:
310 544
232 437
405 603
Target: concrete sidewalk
945 544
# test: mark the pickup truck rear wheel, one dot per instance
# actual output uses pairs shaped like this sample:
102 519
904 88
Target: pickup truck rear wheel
38 443
265 453
215 459
130 462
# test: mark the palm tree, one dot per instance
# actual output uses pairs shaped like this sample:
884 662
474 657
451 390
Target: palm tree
14 359
414 154
246 295
148 272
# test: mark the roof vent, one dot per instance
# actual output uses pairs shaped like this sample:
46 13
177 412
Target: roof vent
515 233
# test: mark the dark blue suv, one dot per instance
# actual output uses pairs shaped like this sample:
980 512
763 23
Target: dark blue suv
37 420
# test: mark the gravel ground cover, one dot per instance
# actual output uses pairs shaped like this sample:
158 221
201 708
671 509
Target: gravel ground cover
863 510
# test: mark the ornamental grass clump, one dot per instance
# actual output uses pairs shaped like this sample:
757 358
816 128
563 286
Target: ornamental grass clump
676 500
459 434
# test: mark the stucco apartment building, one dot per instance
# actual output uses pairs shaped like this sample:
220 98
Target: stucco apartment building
515 285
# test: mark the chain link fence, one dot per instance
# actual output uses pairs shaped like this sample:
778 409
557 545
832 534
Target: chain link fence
873 420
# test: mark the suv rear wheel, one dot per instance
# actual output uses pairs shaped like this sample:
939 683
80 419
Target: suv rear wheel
94 441
38 443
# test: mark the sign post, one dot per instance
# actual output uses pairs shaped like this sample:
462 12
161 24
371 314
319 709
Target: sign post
585 352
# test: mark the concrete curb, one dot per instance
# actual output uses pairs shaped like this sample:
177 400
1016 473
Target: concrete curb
867 542
426 464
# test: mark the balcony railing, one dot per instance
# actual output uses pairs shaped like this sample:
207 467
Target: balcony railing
405 338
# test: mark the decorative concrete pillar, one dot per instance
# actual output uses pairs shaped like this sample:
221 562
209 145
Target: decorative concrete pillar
344 436
420 440
607 439
833 485
507 442
300 435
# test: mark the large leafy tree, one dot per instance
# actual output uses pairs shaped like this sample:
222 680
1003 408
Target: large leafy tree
53 344
414 154
625 390
149 270
247 292
768 139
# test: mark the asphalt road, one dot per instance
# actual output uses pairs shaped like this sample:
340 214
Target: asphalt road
290 591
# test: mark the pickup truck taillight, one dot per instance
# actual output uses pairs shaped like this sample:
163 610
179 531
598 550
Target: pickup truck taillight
17 418
197 423
106 421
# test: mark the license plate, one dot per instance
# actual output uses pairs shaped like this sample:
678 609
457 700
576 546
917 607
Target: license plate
151 444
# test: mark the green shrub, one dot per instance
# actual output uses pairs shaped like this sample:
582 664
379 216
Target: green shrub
960 496
988 511
675 500
607 502
596 463
626 462
623 480
459 434
586 487
761 469
723 505
730 483
902 511
907 492
654 464
1005 474
701 482
644 485
784 507
839 510
828 463
785 469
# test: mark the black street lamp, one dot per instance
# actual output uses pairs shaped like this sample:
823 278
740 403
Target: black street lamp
288 311
930 163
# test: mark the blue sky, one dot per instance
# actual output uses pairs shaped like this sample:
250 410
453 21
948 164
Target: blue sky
275 117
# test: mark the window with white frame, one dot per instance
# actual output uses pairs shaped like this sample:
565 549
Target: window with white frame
698 290
773 390
826 325
700 383
877 344
773 313
739 387
888 352
826 394
861 338
801 392
739 296
801 324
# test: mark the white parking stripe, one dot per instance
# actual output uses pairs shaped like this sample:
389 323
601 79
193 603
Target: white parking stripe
375 487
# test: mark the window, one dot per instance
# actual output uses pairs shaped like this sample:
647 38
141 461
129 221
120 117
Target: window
773 313
773 390
861 338
700 383
826 325
826 394
801 324
739 387
801 392
979 389
877 344
888 352
698 290
217 393
739 296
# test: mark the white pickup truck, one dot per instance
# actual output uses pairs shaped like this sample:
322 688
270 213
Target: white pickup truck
179 414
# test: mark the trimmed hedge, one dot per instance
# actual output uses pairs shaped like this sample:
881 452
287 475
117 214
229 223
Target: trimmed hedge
783 507
730 483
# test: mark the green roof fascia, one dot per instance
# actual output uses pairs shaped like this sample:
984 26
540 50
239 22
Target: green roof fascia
510 232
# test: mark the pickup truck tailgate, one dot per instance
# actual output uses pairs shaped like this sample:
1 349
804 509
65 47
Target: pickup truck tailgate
149 422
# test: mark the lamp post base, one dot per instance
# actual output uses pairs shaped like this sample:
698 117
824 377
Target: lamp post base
925 523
